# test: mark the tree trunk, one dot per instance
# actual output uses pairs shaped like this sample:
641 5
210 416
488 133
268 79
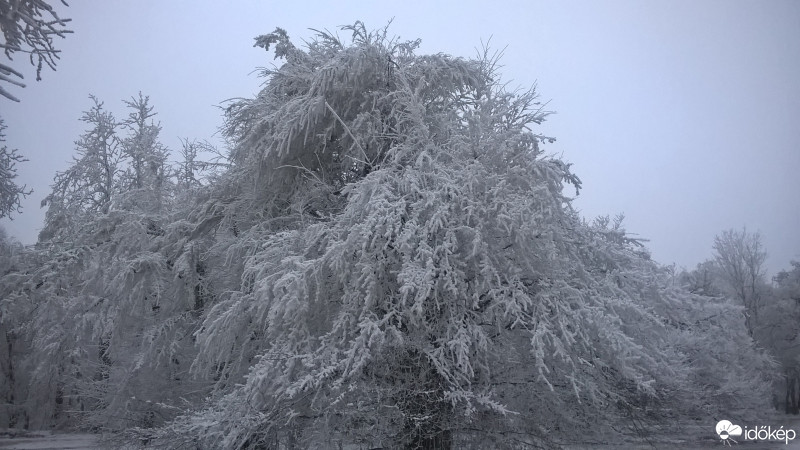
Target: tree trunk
422 402
792 393
436 439
795 394
8 414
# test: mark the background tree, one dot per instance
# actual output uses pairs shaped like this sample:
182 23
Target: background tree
704 280
29 26
189 167
770 312
10 192
9 412
779 331
146 156
89 185
104 309
201 163
740 257
144 181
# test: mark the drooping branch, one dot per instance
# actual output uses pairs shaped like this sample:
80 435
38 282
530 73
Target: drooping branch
30 26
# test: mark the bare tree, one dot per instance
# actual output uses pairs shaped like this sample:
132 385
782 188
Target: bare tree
29 27
740 256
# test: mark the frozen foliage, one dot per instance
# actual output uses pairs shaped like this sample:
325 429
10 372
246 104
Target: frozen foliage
778 329
414 276
387 259
88 299
29 26
771 312
10 192
88 186
740 256
146 157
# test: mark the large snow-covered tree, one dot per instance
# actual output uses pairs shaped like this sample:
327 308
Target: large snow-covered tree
412 273
387 257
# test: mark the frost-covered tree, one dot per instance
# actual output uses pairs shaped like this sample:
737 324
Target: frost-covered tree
10 192
131 291
85 298
29 26
146 156
770 315
788 282
9 414
703 280
87 187
740 257
188 168
412 274
778 330
387 259
201 164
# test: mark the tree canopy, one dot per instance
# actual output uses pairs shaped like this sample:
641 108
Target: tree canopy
388 259
412 272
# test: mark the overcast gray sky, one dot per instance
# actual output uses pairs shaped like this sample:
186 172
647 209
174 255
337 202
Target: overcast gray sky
683 115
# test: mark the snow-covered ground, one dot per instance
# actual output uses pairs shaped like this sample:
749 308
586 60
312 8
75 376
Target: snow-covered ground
695 439
703 437
51 441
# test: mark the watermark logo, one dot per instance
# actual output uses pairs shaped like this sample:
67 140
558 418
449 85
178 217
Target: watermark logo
727 432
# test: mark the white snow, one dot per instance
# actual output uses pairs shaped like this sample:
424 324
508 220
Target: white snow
52 442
